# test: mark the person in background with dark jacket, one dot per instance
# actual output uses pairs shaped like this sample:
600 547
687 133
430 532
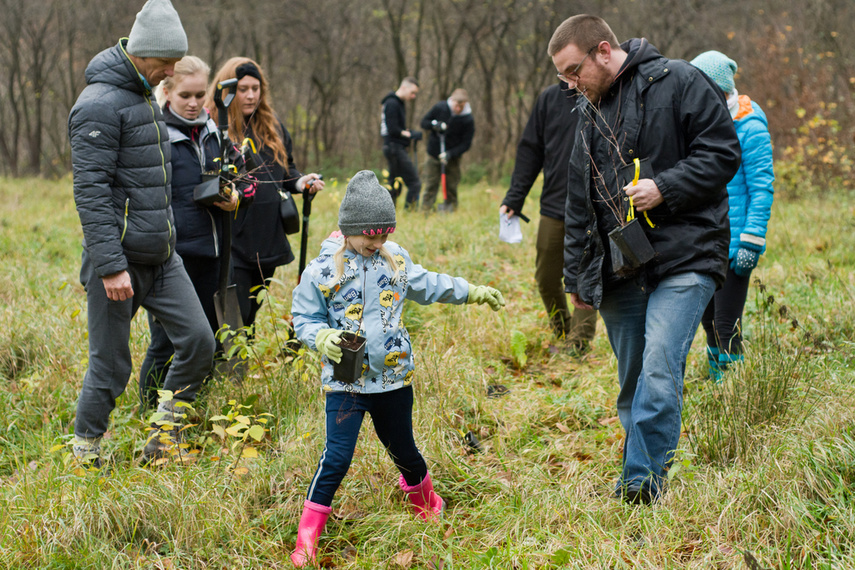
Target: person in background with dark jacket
750 206
196 149
637 104
453 118
396 140
546 145
260 244
120 155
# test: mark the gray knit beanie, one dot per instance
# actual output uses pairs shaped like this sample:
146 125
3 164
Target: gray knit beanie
367 207
157 32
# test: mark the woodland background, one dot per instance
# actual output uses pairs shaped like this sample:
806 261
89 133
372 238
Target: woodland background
330 63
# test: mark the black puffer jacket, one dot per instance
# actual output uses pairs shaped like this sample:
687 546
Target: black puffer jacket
120 154
545 144
458 137
258 233
671 115
194 151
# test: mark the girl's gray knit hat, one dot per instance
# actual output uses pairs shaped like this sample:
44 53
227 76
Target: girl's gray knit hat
157 32
367 207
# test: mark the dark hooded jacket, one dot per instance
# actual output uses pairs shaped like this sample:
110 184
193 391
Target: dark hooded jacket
393 120
671 116
196 149
120 154
459 133
259 238
545 145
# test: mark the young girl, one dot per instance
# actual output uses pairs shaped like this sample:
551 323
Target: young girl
359 283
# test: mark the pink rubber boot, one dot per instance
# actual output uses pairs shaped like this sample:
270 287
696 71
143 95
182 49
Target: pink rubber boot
312 523
426 503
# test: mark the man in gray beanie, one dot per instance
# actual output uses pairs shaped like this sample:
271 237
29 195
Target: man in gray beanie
120 154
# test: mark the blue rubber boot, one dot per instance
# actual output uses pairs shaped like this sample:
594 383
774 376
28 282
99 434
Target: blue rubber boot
715 371
726 359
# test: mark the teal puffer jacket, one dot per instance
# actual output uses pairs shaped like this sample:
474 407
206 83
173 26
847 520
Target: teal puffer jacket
750 192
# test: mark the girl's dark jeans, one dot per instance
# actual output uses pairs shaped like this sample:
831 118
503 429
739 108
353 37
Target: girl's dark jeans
392 414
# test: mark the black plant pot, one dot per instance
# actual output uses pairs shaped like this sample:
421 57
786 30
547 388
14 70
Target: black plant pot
632 243
208 192
352 355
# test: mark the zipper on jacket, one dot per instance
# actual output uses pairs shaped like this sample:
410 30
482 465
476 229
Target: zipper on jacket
125 220
214 231
160 150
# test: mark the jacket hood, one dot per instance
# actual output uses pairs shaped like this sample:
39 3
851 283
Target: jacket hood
390 95
467 109
639 51
113 67
756 114
176 120
331 244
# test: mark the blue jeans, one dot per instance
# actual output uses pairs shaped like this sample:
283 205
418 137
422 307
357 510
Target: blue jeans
392 414
651 333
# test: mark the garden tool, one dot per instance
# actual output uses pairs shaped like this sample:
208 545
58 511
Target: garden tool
225 298
304 237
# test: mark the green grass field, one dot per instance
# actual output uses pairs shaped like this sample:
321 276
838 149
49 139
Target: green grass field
766 464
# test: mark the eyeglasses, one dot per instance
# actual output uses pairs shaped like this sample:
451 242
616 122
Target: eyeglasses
573 77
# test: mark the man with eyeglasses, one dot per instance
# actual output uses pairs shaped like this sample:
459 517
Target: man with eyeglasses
637 104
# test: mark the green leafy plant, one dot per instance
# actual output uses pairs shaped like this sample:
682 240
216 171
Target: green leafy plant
238 430
518 345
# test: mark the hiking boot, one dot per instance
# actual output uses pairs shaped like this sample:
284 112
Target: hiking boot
165 440
86 452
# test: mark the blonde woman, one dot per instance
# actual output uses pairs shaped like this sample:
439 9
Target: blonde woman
195 145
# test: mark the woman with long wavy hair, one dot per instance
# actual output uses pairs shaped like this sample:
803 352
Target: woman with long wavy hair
260 244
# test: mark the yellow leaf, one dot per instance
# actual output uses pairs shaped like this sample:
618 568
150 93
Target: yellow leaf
56 448
218 430
249 453
241 471
256 432
235 430
243 419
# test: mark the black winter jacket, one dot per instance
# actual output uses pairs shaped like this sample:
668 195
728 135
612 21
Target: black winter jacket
120 155
458 137
672 116
258 233
393 120
545 144
199 229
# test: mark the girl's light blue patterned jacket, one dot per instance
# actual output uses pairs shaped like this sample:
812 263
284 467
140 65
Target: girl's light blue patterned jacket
366 299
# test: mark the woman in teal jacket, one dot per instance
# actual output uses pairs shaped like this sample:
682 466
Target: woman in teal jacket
750 200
